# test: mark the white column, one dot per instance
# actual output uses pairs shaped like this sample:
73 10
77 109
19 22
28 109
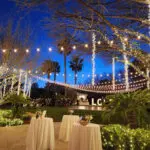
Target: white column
148 83
25 84
12 83
93 57
5 83
19 82
126 72
113 73
30 83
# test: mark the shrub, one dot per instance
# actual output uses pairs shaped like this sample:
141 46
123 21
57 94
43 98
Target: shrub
17 102
116 137
6 119
129 108
10 122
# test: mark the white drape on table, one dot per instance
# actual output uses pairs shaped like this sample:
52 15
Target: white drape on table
66 126
85 137
40 134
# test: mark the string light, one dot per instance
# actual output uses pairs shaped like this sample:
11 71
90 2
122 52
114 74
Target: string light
27 50
38 49
93 57
62 49
111 42
99 42
74 47
15 50
139 37
113 71
86 45
125 39
50 49
4 50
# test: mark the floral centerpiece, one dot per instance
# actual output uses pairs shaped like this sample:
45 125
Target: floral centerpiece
38 114
70 111
85 119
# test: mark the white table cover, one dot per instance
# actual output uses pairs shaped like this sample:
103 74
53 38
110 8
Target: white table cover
66 126
40 134
85 137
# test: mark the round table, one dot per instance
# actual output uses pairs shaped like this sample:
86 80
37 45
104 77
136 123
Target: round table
85 137
66 126
40 134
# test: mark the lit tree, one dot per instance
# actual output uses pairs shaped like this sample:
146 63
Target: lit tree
76 64
116 23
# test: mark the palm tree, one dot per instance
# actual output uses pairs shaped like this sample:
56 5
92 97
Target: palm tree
65 48
47 67
76 65
56 69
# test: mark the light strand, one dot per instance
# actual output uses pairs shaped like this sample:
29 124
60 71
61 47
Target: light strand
93 57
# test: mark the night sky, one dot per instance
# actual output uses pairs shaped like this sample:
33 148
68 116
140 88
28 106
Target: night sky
41 40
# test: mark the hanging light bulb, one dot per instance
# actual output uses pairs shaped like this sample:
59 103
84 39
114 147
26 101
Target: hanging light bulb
139 37
74 47
99 42
62 49
27 50
111 42
86 45
4 50
15 50
50 49
38 49
125 39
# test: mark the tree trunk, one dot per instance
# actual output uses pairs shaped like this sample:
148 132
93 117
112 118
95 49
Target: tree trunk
48 76
65 69
132 120
65 72
54 76
75 77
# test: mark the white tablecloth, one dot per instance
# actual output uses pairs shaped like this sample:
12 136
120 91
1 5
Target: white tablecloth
85 137
66 126
40 134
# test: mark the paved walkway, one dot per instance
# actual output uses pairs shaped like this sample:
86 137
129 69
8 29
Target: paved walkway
13 138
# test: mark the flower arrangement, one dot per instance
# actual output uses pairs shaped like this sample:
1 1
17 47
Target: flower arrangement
71 111
38 114
85 119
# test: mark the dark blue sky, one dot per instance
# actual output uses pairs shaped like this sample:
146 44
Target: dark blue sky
41 39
